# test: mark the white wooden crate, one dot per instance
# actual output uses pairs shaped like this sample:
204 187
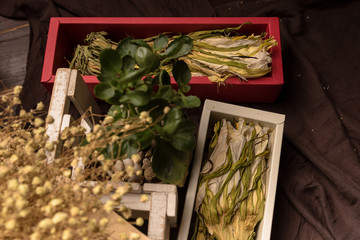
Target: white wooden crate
161 209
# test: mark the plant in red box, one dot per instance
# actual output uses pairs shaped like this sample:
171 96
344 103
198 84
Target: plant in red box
136 86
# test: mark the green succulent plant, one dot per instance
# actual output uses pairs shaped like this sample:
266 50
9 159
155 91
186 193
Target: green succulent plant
135 82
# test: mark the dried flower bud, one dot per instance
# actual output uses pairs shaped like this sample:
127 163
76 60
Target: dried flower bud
127 126
24 213
23 189
38 122
45 223
59 217
35 236
67 173
109 206
10 224
17 90
22 113
56 202
67 234
135 158
49 146
144 198
48 185
26 169
72 221
47 210
134 236
36 181
4 170
144 115
139 221
103 222
49 119
4 99
96 190
12 184
108 120
166 109
149 120
40 106
21 204
17 100
74 211
40 190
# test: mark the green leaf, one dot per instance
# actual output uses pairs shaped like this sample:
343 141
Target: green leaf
172 121
127 47
115 99
179 47
137 98
165 92
160 42
104 91
187 101
128 64
111 62
164 77
118 112
137 141
184 139
181 73
185 88
146 58
157 106
170 165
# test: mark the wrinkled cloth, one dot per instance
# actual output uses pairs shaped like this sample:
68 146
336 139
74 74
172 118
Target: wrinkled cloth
318 195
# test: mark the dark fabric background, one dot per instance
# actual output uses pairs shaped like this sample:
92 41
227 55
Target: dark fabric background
318 194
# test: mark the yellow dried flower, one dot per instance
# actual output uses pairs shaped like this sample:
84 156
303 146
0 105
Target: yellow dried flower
149 120
72 221
56 202
17 90
103 222
12 184
22 113
23 189
166 109
14 158
36 181
139 221
4 170
49 146
10 224
35 236
67 234
134 236
144 198
108 120
67 173
109 206
127 126
20 204
17 100
40 190
48 185
24 213
40 106
59 217
49 119
4 99
144 115
96 190
38 122
27 169
74 211
135 158
45 223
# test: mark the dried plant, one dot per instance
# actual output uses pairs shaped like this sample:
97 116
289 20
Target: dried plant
40 200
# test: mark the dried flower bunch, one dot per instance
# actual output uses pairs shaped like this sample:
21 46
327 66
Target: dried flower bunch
40 200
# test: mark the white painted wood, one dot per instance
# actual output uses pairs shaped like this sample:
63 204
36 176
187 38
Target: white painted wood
159 227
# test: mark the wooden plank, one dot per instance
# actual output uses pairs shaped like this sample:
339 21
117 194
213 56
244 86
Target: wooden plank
59 104
81 96
159 228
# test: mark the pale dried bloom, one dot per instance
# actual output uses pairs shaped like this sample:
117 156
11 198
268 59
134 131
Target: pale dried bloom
17 101
45 223
144 198
10 224
109 206
38 122
40 106
149 120
103 222
108 120
135 158
139 221
17 90
23 189
144 115
14 158
67 234
36 181
59 217
56 202
166 109
12 184
134 236
49 119
74 211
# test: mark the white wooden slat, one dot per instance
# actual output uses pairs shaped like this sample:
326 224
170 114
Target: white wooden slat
159 227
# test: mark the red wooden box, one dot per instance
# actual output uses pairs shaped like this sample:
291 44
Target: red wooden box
66 33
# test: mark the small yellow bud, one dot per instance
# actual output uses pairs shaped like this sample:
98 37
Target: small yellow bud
17 100
108 120
144 198
22 113
96 190
144 114
49 119
59 217
56 202
10 224
74 211
4 170
149 120
103 222
14 158
166 109
21 204
127 126
135 158
36 181
67 234
67 173
23 189
24 213
109 206
40 106
139 221
27 169
4 98
134 236
49 146
48 186
12 184
139 172
38 122
47 210
45 223
72 221
40 191
35 236
17 90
